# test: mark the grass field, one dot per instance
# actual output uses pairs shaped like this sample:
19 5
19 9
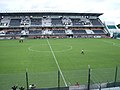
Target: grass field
44 57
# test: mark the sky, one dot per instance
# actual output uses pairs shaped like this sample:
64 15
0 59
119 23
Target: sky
109 8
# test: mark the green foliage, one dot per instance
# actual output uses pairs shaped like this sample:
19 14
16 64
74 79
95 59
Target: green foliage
118 25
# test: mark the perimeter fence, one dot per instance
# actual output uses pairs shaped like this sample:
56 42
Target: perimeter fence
82 79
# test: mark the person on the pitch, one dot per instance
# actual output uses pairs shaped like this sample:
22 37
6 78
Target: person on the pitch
82 51
21 40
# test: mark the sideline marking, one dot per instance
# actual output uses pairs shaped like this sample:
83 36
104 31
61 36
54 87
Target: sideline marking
57 63
114 44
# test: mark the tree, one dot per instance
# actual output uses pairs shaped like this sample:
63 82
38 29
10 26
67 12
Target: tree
118 25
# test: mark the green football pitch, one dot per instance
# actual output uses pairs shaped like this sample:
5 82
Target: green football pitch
44 57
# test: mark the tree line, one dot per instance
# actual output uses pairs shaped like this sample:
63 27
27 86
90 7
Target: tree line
118 26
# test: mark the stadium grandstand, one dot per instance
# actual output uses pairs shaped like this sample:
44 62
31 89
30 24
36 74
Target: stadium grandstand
113 30
51 24
39 25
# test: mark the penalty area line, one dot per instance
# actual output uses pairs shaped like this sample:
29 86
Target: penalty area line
57 63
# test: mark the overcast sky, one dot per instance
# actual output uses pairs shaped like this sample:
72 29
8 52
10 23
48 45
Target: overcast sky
110 8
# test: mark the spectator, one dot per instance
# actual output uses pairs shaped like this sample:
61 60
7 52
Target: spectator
32 86
77 84
14 87
22 88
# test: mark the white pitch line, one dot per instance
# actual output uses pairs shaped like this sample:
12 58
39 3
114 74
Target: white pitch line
57 63
30 49
114 44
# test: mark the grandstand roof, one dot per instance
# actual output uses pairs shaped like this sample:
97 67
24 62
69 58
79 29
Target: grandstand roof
48 13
